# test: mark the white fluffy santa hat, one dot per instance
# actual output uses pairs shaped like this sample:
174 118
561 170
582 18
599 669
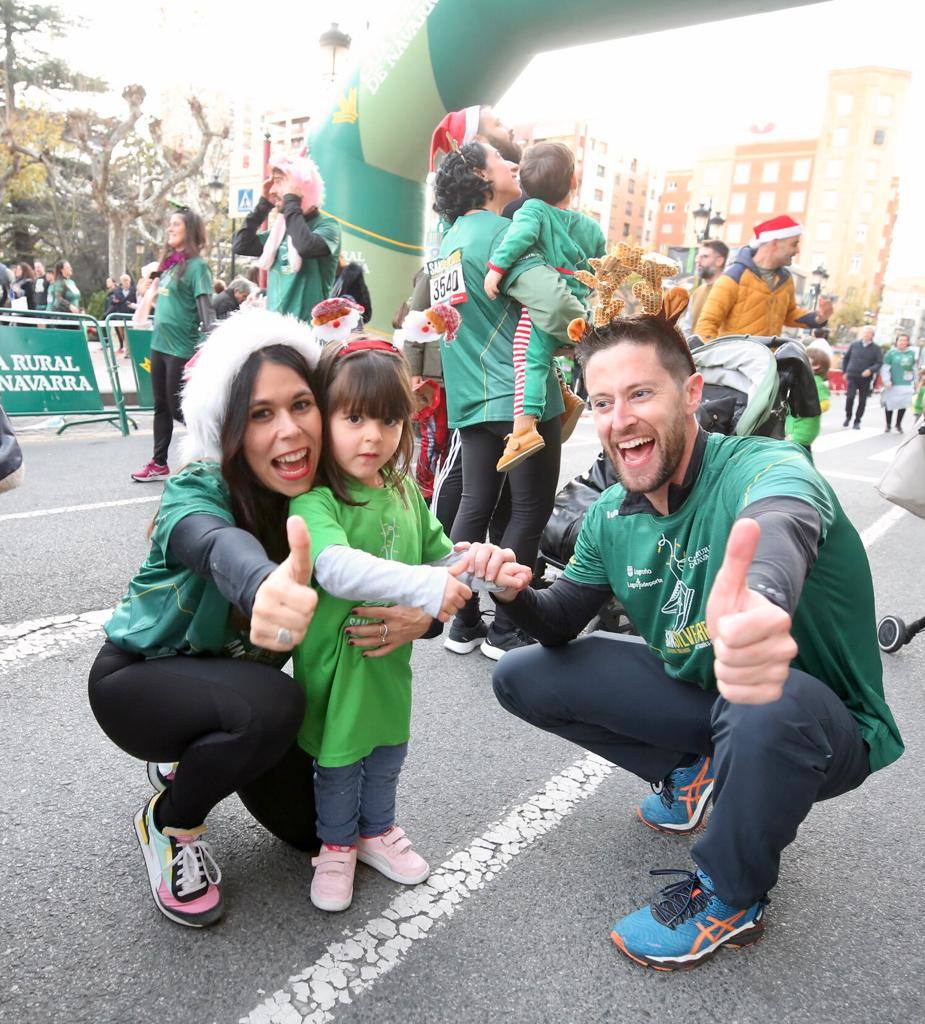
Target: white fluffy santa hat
212 370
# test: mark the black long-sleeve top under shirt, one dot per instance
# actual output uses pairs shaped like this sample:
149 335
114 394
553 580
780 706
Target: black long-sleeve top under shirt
308 244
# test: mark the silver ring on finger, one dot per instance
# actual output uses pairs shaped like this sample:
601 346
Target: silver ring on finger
383 632
284 637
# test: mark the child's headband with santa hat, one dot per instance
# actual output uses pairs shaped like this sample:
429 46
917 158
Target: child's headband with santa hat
777 227
459 127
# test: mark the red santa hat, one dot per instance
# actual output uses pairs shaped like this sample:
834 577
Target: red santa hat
460 125
776 227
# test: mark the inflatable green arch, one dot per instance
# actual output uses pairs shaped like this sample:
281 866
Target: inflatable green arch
441 55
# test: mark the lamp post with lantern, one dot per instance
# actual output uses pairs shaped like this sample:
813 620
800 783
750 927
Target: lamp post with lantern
705 219
333 43
820 276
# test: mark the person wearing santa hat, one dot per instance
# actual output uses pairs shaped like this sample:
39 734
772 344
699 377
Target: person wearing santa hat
472 124
755 295
302 249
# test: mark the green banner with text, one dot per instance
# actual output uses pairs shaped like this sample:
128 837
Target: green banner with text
46 370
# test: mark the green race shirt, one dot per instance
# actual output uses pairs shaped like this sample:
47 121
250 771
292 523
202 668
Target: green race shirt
478 366
901 366
355 704
297 293
63 294
662 569
176 318
169 609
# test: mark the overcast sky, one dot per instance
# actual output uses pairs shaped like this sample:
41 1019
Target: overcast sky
703 85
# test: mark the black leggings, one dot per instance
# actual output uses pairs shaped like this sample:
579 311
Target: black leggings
166 383
231 726
899 417
533 492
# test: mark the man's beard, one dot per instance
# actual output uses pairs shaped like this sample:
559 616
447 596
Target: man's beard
669 452
708 273
508 148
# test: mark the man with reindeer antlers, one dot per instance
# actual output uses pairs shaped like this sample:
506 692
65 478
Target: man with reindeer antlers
756 685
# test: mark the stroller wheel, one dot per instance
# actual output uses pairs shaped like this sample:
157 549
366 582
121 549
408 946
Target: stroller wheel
891 634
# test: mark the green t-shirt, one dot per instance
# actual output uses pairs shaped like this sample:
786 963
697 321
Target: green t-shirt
662 569
176 318
918 401
355 704
805 429
478 366
901 366
564 239
63 294
169 609
297 293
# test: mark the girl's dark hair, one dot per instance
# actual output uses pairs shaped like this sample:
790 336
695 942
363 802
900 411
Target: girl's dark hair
457 188
369 383
645 329
256 509
195 238
59 269
26 271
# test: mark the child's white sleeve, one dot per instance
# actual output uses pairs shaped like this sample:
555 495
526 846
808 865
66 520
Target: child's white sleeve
357 576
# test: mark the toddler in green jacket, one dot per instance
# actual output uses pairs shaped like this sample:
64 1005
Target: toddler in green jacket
805 429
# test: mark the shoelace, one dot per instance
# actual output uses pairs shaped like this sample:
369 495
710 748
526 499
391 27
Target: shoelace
680 900
194 866
665 788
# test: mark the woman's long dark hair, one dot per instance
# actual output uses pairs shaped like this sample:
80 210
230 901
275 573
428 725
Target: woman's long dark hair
368 383
255 508
195 238
59 269
457 188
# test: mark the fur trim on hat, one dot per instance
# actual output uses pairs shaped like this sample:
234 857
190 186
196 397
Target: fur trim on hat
219 360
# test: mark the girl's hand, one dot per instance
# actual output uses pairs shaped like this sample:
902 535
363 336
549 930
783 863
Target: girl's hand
402 625
484 560
514 578
455 593
285 601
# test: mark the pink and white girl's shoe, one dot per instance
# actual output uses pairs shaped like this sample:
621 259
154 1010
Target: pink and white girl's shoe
332 884
391 855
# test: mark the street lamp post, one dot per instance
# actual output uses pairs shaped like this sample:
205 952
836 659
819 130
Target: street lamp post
216 189
820 276
705 219
333 43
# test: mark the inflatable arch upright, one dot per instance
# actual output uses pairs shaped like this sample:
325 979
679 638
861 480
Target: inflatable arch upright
441 55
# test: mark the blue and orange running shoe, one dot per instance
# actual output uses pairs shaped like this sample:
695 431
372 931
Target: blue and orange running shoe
181 870
686 924
679 802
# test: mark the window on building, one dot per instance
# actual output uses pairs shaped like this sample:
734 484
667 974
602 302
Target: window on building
766 202
737 202
733 232
629 209
867 202
649 216
860 234
829 200
711 175
599 195
633 166
855 265
671 186
770 171
833 170
626 230
871 170
844 104
879 137
801 170
631 186
796 202
824 231
884 105
840 138
670 207
602 148
741 174
648 237
666 229
601 170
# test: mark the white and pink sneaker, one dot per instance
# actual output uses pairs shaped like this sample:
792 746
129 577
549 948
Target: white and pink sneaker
332 884
391 855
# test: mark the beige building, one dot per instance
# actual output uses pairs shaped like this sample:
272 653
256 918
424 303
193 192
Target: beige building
854 195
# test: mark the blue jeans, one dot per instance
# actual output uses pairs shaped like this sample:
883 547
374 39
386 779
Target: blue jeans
358 799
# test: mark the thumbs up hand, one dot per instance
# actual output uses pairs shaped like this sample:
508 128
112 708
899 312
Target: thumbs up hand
752 645
285 601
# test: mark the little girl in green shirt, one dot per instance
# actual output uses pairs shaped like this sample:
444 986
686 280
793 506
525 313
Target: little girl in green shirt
919 399
375 541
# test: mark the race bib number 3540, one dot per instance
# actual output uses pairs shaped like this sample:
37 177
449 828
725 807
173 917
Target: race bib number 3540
447 283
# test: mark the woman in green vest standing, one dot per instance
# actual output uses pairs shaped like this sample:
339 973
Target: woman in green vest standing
64 295
182 290
898 376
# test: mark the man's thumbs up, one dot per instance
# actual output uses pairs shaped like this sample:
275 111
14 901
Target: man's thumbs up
299 561
752 645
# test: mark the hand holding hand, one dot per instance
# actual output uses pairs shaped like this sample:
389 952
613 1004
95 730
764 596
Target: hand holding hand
285 601
752 645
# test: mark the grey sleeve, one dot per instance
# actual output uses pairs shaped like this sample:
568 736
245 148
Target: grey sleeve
552 306
233 559
787 550
420 297
357 576
414 353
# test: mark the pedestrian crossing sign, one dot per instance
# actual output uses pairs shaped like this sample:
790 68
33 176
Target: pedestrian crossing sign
242 202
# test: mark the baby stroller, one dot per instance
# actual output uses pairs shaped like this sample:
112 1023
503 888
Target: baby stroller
750 384
903 483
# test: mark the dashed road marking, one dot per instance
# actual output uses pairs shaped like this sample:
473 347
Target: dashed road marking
841 439
358 960
38 512
879 526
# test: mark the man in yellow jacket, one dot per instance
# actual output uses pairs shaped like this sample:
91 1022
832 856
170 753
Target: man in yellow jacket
755 295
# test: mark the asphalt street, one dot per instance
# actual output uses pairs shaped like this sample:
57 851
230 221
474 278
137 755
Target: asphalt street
538 846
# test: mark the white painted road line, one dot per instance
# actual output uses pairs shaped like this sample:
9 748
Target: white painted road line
850 476
356 961
879 527
38 639
886 456
36 513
